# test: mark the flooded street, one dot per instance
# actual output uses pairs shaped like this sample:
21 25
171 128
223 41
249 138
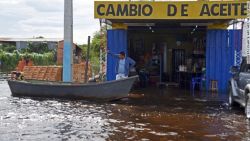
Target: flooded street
160 115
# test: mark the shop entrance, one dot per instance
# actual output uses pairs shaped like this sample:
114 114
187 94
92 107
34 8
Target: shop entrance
167 31
192 57
173 54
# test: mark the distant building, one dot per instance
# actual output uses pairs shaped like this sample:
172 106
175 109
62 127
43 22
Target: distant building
77 53
21 43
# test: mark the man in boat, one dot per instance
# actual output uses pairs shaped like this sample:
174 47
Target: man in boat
123 65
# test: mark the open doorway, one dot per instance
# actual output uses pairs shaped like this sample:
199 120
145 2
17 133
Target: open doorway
168 53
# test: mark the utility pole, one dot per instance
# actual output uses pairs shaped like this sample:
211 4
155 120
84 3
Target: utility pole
68 41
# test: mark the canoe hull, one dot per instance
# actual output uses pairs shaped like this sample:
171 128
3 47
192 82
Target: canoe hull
105 90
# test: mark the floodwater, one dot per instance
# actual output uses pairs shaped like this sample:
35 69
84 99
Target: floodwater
160 115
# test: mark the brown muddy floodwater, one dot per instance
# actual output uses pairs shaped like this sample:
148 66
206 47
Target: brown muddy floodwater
161 115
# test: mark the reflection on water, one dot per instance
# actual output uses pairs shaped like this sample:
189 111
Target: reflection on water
165 115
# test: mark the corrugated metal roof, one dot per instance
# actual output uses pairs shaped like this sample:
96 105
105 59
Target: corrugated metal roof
30 39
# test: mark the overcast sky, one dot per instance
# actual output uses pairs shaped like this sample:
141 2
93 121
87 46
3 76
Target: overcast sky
29 18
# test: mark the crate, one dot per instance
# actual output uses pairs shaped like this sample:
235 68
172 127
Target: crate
27 72
42 72
35 72
48 73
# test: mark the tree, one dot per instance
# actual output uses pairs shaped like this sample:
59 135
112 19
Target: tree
41 47
40 37
98 41
7 48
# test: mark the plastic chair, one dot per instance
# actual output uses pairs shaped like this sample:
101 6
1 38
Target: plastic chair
196 81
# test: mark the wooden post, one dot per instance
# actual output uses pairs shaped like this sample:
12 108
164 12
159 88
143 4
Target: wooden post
87 62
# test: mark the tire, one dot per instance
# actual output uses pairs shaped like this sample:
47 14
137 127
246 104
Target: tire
230 97
247 106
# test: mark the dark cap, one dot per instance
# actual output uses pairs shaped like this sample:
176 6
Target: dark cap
122 53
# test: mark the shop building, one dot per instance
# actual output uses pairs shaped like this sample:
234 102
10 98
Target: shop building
176 42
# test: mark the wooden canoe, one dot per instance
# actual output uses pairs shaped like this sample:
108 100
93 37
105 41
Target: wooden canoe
105 90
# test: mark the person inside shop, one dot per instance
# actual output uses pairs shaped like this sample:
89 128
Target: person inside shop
143 66
123 65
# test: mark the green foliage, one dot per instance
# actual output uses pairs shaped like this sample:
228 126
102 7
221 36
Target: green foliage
93 57
95 45
7 47
41 59
36 48
9 61
96 42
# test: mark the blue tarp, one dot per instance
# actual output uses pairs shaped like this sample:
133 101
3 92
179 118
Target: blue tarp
220 49
117 42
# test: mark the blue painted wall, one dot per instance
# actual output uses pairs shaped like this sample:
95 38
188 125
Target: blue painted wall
235 42
117 42
220 50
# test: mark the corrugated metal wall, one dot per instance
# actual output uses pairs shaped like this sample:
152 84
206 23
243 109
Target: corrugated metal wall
117 42
235 42
220 50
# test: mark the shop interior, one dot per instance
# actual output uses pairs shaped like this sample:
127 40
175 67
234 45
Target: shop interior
170 54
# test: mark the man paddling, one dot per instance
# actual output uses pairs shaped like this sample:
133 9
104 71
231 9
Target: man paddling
123 65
